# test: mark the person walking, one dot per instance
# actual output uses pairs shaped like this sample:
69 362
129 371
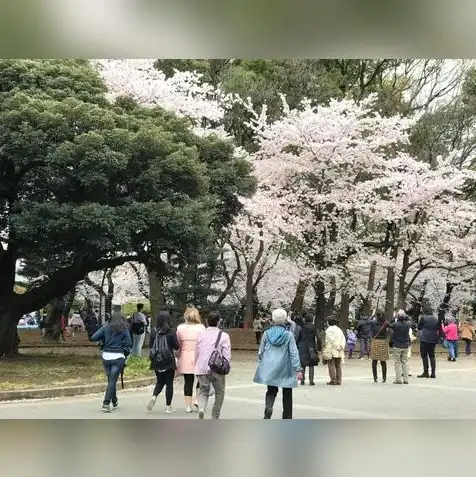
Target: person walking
401 343
279 365
379 345
258 328
364 333
138 328
428 328
309 345
163 345
334 352
187 334
351 342
116 343
213 345
451 335
467 334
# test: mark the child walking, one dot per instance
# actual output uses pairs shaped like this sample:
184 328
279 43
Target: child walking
351 341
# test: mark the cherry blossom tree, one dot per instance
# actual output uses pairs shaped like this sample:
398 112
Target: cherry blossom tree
184 94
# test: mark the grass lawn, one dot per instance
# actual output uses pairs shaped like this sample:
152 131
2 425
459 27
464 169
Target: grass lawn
61 366
52 367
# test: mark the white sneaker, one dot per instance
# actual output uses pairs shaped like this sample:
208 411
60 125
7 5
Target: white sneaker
169 410
201 414
151 404
188 410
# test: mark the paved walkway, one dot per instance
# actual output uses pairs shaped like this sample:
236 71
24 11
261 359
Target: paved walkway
447 397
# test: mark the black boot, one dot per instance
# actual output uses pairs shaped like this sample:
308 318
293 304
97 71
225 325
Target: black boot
423 375
384 371
311 376
433 367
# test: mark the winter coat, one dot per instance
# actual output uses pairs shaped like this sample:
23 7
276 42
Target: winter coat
335 343
278 359
364 328
351 338
428 327
187 334
308 344
467 331
451 331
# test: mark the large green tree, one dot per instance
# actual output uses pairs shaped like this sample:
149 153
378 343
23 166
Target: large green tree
85 185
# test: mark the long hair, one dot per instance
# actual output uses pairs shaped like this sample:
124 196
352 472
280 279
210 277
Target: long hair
163 320
118 324
192 315
380 316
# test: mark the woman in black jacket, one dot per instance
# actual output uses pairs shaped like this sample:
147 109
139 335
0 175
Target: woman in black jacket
163 345
309 345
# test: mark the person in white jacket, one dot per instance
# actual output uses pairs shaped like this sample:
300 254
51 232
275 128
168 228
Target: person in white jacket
334 352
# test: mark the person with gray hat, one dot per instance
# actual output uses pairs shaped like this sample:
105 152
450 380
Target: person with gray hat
279 365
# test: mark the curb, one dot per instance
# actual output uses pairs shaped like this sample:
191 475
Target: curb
46 393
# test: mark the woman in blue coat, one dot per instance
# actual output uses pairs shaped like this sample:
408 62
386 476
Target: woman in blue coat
279 365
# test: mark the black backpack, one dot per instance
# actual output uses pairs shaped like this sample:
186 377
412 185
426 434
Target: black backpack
138 327
218 363
160 354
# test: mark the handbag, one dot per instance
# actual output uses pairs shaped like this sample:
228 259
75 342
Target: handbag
378 332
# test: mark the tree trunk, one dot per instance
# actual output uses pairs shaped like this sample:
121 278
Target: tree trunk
444 306
390 290
68 301
298 300
110 292
402 279
320 312
156 291
249 309
367 302
344 310
9 340
416 309
53 320
331 301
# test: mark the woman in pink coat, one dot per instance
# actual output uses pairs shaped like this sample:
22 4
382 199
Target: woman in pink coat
187 335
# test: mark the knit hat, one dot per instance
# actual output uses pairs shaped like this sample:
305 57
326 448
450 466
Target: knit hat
279 316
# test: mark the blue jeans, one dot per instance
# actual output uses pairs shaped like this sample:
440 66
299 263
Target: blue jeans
452 349
112 368
137 344
364 346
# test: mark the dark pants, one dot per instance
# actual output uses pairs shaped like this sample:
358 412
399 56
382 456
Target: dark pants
311 374
335 370
427 351
165 378
188 385
258 337
350 349
112 368
383 364
364 346
467 350
270 397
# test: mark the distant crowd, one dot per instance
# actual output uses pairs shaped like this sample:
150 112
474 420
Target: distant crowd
289 349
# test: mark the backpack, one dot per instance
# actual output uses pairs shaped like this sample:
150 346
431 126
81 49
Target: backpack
138 327
218 363
160 354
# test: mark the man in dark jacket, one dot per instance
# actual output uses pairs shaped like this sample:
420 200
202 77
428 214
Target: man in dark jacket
401 342
428 327
364 333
